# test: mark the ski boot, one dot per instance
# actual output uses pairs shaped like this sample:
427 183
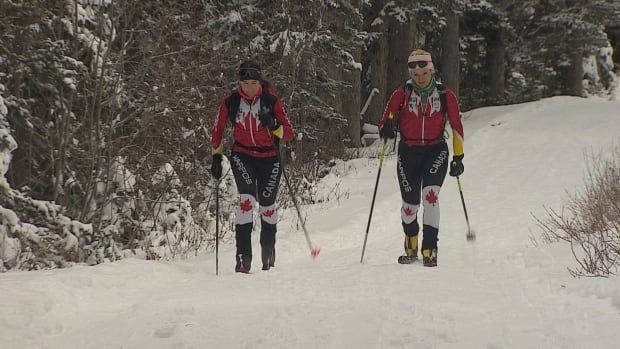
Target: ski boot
411 250
269 257
429 257
243 264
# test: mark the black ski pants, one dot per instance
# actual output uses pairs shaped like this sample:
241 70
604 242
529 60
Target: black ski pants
421 171
255 178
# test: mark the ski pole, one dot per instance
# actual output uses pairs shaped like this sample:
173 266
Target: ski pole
394 146
374 195
217 224
470 234
314 251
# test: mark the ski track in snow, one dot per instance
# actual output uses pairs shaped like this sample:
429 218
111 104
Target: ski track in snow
500 291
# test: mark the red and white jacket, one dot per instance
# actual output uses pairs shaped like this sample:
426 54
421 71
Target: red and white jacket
424 126
249 134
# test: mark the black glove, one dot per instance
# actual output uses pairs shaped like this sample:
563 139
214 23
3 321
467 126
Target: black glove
216 166
387 131
456 166
266 118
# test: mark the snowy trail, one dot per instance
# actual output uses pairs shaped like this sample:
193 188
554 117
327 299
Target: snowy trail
498 292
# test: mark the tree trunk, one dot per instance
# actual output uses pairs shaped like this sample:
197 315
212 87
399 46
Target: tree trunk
613 33
385 65
450 67
401 39
496 54
374 71
574 75
351 109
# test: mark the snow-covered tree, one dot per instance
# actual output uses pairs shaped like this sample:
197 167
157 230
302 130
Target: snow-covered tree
554 38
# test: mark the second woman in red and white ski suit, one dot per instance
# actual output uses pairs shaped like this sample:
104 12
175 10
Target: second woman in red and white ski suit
258 118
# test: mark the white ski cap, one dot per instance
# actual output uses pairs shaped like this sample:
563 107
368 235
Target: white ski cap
421 56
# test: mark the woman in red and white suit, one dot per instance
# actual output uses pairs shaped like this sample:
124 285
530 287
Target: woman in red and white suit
421 109
258 118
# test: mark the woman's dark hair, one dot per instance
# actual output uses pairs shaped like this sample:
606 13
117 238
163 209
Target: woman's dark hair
266 84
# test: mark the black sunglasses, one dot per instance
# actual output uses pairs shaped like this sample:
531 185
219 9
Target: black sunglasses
420 64
249 74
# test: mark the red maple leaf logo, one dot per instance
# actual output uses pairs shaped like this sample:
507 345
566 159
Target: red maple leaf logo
431 197
408 211
268 213
246 206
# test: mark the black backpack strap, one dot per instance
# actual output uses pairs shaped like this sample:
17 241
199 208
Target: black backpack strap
232 103
441 89
267 99
406 87
443 99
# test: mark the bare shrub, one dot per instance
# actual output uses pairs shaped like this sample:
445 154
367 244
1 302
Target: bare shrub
590 221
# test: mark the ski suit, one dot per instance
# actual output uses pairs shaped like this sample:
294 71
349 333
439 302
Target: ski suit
255 164
423 153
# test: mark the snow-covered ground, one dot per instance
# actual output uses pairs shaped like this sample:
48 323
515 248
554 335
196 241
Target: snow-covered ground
501 291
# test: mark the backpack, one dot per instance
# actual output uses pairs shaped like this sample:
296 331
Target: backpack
232 103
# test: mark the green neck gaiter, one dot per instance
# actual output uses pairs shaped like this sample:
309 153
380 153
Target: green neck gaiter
424 91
